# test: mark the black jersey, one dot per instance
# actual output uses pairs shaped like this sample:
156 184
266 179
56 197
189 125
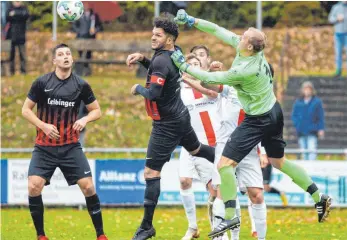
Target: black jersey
58 102
162 89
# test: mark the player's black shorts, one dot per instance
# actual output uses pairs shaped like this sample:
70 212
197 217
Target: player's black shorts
266 128
166 136
267 174
69 158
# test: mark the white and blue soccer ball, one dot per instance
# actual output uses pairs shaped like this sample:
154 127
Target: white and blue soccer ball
70 10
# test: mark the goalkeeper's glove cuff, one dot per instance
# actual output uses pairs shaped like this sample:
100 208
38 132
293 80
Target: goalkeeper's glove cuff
190 21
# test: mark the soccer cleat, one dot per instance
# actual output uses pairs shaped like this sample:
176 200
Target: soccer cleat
224 226
191 234
254 234
41 237
323 207
284 199
142 234
102 237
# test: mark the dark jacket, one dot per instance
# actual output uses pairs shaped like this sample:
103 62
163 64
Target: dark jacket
16 32
83 25
308 118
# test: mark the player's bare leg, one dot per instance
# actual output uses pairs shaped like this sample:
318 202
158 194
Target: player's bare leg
93 205
35 186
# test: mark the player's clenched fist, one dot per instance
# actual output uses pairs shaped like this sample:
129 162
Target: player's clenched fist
183 18
51 131
133 58
216 66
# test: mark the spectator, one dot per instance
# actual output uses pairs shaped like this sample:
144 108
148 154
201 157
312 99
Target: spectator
83 111
308 119
17 17
86 28
338 17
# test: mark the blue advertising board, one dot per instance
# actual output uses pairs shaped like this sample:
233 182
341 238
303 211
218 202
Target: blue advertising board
120 181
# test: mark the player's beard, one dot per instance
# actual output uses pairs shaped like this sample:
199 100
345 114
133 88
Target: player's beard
159 46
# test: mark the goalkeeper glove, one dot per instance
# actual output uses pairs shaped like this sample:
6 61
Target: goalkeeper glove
183 18
179 60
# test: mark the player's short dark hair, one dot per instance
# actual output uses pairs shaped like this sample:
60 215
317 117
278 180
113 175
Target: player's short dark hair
258 44
197 47
272 71
168 25
191 56
61 45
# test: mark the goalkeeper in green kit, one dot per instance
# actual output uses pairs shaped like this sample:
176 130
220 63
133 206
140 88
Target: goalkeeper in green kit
250 75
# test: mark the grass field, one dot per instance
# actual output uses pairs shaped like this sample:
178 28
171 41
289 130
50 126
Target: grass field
170 223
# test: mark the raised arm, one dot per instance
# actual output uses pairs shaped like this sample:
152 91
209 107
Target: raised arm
208 27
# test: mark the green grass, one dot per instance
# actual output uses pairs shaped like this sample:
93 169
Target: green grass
170 223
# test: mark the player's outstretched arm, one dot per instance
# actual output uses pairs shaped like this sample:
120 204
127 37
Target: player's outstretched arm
27 112
223 34
231 77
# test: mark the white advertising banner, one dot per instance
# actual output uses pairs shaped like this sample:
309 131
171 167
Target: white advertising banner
58 192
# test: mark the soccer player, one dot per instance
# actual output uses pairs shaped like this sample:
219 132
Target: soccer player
58 96
171 120
203 111
251 77
248 171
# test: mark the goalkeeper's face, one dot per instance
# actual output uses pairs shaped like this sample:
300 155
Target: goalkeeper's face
63 58
160 39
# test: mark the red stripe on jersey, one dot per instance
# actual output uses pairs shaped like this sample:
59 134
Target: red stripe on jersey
221 88
206 122
62 122
197 94
68 130
155 112
75 134
148 107
55 122
241 117
157 80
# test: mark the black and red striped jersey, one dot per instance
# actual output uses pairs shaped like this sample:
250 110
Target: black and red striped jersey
58 102
162 88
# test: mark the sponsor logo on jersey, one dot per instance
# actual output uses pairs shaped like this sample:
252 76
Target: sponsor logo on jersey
59 102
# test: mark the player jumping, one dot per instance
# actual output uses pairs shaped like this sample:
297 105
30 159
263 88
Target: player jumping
250 75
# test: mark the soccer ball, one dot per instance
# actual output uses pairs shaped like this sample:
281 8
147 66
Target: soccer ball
70 10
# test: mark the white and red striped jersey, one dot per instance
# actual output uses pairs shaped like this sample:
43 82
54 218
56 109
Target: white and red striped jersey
206 113
232 113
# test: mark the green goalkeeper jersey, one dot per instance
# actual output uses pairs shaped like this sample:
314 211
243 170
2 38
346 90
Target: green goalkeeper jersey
250 76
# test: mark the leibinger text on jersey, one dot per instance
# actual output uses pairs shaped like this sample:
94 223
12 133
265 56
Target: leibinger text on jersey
60 102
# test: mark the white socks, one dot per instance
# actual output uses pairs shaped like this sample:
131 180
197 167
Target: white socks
251 215
259 217
218 212
188 200
235 233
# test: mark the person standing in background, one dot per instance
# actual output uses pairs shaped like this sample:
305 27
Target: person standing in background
338 17
308 119
86 28
17 17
